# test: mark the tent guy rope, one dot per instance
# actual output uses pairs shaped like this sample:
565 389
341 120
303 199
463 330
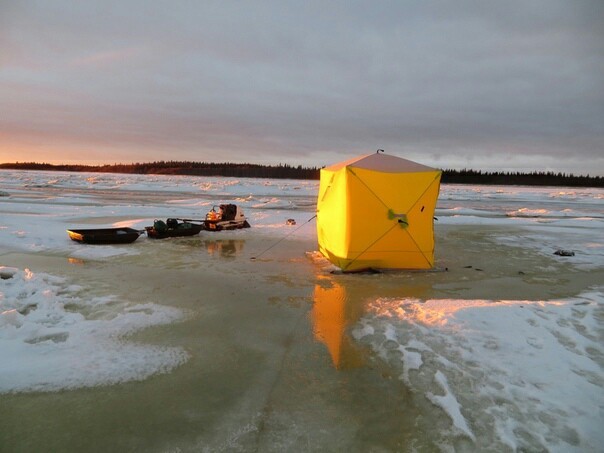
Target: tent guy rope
284 237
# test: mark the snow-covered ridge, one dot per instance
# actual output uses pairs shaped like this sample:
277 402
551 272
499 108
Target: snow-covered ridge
51 338
524 375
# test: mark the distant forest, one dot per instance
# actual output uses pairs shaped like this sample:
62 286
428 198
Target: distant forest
281 171
284 171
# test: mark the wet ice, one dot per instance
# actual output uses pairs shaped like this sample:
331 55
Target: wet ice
514 374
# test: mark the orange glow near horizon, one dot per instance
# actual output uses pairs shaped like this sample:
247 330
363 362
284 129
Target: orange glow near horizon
11 154
63 151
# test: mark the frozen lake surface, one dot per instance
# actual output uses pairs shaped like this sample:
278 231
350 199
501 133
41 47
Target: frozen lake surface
188 344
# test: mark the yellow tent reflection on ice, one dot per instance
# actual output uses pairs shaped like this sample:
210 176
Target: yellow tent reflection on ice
331 314
377 211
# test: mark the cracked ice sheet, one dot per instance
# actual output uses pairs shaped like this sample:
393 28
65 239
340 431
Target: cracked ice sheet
518 374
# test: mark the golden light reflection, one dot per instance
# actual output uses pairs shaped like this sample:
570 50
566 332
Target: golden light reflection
431 312
225 248
331 315
437 312
75 261
340 303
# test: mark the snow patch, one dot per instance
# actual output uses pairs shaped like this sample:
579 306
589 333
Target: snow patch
52 339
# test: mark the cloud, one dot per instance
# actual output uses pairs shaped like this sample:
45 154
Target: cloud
293 82
105 58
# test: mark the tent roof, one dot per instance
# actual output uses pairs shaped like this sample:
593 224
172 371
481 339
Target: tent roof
382 162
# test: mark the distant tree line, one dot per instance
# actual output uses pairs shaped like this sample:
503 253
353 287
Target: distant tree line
535 178
284 171
281 171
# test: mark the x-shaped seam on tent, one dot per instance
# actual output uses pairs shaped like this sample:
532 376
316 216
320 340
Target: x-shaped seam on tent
387 207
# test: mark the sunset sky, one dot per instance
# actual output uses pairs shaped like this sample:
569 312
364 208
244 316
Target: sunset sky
491 85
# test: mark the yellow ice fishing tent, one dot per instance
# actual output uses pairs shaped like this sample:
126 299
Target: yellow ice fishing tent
377 211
